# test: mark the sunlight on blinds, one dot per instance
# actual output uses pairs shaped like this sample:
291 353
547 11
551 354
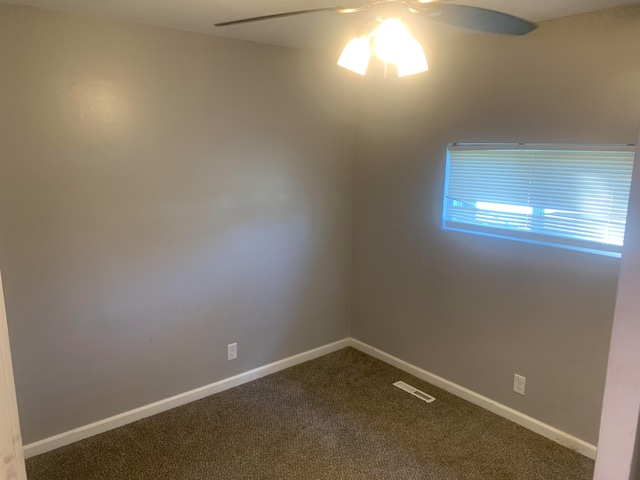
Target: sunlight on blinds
569 196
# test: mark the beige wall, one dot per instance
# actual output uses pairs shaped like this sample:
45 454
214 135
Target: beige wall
472 309
163 194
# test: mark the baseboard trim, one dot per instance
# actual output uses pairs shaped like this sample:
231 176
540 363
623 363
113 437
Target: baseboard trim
515 416
125 418
552 433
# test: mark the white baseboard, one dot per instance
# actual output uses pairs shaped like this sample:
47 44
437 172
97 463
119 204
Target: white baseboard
125 418
521 419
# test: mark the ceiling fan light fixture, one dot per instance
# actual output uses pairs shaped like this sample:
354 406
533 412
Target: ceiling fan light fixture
392 42
356 55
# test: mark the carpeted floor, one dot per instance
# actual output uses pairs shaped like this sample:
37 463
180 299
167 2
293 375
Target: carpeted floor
337 417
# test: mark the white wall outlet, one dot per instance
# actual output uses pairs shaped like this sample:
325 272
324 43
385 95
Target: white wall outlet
232 351
519 383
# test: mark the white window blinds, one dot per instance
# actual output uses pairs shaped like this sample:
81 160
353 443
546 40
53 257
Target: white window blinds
568 196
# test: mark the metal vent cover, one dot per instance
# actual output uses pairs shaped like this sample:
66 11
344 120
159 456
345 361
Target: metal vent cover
415 392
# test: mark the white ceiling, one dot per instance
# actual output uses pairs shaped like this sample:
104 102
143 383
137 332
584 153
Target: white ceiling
316 32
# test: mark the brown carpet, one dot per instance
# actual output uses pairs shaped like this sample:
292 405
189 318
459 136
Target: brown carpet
336 417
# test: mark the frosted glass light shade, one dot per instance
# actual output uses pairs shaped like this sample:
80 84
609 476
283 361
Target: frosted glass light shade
411 59
391 37
356 55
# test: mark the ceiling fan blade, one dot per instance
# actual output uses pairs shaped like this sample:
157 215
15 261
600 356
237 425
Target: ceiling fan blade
475 18
291 14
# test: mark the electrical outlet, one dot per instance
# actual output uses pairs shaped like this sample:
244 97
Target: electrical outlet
232 351
519 383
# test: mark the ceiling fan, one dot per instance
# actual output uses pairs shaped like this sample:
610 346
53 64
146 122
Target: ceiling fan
391 40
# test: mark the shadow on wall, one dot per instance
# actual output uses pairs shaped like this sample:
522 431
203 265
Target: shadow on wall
635 466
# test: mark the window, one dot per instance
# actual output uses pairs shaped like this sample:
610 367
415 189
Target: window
567 196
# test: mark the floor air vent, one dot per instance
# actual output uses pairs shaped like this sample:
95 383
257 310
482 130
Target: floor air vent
415 392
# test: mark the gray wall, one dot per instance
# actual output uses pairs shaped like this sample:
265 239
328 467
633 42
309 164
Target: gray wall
619 433
163 194
476 310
